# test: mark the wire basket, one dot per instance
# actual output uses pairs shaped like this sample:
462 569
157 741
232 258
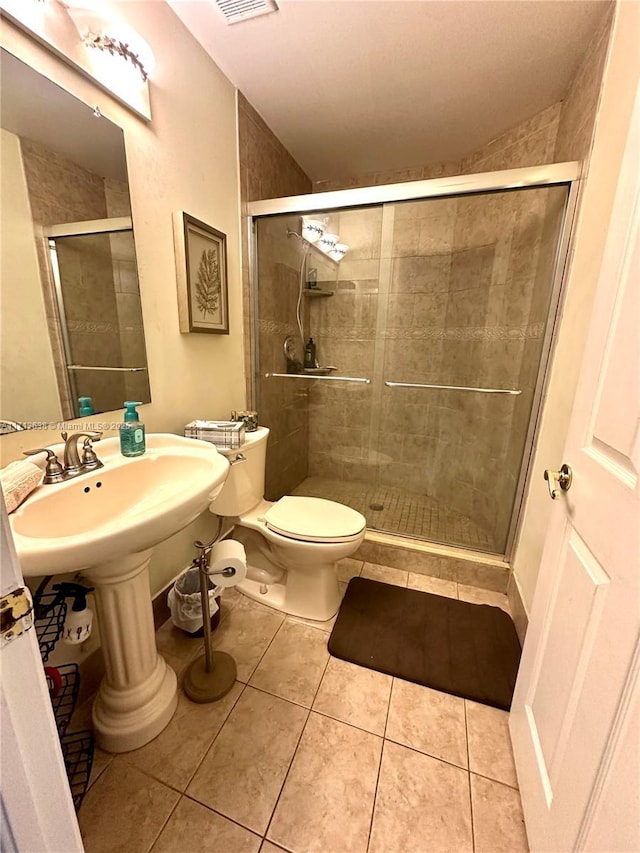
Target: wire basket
77 751
64 684
64 700
50 614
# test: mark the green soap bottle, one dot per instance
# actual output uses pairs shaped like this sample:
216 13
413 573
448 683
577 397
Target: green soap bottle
132 441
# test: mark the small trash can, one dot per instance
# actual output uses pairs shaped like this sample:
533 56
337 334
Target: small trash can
185 603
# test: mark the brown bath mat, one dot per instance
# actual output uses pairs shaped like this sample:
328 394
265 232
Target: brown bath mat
470 650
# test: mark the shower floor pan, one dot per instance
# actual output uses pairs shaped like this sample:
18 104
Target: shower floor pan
394 510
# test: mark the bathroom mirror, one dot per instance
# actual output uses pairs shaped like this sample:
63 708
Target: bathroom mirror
70 312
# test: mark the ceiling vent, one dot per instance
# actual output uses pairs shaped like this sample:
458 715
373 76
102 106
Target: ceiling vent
240 10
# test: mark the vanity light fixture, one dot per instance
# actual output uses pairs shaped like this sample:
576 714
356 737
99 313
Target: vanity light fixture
99 30
114 47
89 37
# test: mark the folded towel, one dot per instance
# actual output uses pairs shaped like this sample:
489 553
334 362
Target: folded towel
18 480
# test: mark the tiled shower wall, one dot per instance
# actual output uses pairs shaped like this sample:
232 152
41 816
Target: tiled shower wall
283 403
92 316
59 191
435 292
267 170
127 290
345 327
62 191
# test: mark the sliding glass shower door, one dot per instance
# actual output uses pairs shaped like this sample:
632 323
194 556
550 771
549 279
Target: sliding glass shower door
438 320
93 266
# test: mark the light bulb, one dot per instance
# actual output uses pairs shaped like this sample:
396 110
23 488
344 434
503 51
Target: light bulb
339 251
312 229
328 242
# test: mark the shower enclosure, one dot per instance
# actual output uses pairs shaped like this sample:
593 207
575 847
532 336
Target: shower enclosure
433 332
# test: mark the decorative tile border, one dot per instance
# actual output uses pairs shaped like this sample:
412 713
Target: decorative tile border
534 331
468 333
91 326
274 327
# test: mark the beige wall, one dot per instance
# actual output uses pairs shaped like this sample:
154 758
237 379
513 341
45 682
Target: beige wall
186 158
614 102
28 392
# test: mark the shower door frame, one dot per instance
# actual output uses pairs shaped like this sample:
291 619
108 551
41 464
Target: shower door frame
530 177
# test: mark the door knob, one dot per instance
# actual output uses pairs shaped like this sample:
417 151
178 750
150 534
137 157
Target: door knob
562 478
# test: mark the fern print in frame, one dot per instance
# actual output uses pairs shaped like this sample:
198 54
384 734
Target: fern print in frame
201 258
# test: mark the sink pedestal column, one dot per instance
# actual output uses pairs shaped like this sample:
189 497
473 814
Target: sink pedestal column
138 694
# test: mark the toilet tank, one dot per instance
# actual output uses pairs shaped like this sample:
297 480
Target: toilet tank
244 487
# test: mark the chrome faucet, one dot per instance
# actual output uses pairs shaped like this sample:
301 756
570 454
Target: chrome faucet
74 466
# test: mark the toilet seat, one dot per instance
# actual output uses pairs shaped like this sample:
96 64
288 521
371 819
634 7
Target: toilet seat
314 520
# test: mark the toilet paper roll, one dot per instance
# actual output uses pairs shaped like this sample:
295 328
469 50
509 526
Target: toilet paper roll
226 556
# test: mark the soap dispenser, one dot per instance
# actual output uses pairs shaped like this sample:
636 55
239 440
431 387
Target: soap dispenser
132 440
77 625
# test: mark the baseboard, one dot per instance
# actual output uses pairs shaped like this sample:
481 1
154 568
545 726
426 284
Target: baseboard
518 610
161 610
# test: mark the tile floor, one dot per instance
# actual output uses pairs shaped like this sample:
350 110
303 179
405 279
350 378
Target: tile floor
402 512
309 753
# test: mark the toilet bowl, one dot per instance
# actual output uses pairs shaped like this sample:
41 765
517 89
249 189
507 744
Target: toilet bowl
292 544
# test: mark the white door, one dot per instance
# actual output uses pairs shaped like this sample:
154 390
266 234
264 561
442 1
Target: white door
575 719
37 813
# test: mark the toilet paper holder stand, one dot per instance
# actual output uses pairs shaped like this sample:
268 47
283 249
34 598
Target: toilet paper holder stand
212 675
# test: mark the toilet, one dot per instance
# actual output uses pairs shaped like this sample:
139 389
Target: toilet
292 545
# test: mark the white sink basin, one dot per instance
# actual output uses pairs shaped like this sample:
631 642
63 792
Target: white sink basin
129 505
106 523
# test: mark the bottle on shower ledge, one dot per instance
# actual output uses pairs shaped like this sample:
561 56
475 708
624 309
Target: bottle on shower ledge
85 406
310 354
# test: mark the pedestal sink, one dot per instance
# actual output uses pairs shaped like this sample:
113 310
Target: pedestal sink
106 524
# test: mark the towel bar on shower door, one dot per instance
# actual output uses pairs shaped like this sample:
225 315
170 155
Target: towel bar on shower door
319 378
452 388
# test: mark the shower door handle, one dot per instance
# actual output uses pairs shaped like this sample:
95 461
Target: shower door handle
563 478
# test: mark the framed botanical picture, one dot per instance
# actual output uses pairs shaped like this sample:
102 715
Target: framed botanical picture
201 259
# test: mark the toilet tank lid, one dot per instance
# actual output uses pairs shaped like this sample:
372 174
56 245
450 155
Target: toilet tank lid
314 519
